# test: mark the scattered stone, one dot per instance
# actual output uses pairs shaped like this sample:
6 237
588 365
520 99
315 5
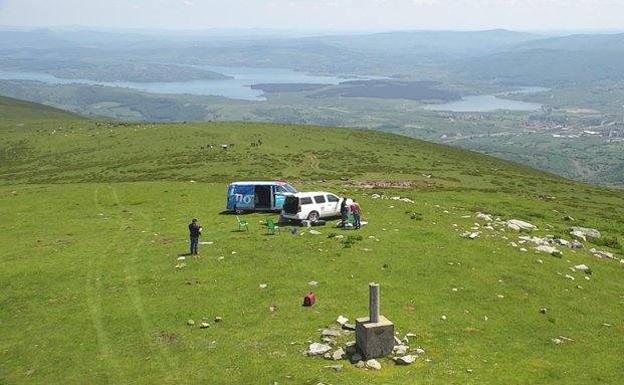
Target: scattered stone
606 325
318 349
263 286
273 308
518 225
601 254
585 233
204 325
315 232
576 245
373 364
334 367
190 322
539 261
443 318
549 250
405 360
568 276
181 258
218 319
420 351
543 310
469 370
484 217
330 333
523 250
563 242
338 354
584 268
400 350
341 320
360 364
568 218
347 326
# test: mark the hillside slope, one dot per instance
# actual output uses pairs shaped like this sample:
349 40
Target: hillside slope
96 287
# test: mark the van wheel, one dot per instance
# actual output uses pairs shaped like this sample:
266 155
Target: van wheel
313 216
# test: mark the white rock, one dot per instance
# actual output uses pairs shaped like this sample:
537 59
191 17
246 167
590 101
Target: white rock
338 354
601 254
405 360
313 283
518 225
443 318
315 232
400 350
484 217
342 320
586 232
181 258
568 276
318 349
549 250
584 268
420 351
373 364
330 333
578 235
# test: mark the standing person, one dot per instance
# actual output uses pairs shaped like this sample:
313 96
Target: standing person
356 210
344 212
195 230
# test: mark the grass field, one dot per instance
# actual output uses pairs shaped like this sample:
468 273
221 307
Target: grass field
94 220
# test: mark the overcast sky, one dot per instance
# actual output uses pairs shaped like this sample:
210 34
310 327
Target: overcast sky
318 14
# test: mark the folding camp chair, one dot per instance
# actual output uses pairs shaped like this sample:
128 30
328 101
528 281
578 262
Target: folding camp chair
242 223
271 226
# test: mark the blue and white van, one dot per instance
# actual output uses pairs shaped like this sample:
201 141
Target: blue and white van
257 196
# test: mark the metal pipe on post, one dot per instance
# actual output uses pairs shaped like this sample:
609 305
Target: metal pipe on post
374 302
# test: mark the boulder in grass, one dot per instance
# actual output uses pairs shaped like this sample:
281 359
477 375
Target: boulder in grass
518 225
341 320
549 250
585 233
601 254
405 360
373 364
318 349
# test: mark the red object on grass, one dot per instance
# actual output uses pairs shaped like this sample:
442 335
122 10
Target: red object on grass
309 299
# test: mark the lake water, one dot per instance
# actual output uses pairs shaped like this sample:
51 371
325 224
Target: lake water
489 103
236 88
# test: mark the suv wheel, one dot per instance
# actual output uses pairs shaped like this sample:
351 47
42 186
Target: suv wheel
314 216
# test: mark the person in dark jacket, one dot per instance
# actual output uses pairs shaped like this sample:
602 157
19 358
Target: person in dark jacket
195 231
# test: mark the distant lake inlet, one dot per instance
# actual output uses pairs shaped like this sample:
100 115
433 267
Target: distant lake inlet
490 103
238 87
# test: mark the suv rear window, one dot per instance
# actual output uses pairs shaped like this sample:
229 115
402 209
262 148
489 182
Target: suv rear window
306 201
319 199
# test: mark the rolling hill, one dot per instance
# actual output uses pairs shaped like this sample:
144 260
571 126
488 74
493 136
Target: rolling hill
95 287
574 59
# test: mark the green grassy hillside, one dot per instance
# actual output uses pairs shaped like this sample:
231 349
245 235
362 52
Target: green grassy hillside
92 290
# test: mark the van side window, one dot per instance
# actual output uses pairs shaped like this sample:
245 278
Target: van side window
319 199
332 198
306 201
280 189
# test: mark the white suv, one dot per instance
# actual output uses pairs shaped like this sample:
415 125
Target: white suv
311 206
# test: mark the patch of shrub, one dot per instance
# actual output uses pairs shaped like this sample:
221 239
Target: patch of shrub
611 242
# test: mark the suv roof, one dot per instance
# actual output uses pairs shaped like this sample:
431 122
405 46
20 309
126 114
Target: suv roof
259 183
312 193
